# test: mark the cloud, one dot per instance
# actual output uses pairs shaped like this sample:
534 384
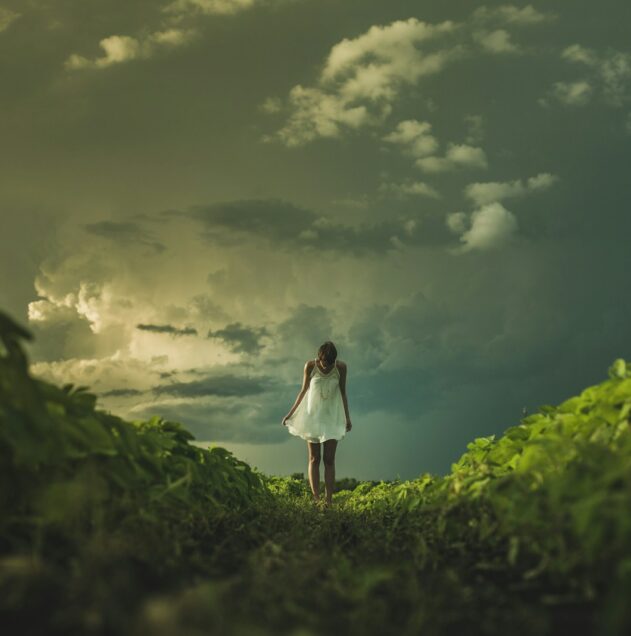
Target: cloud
457 222
362 77
414 137
209 7
416 140
239 338
289 227
226 385
456 156
497 41
122 393
124 48
578 53
410 189
492 226
7 17
487 192
572 93
102 374
609 73
170 329
510 14
125 233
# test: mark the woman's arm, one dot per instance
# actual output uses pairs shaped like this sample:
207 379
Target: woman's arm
306 379
343 374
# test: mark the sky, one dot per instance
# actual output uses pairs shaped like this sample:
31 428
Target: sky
195 194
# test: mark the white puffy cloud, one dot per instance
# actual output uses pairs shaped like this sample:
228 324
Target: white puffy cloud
414 137
456 156
124 48
497 41
487 192
363 76
316 113
492 226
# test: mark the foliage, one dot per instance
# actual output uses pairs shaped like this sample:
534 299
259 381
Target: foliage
115 527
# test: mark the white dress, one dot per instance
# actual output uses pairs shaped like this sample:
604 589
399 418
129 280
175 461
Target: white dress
320 415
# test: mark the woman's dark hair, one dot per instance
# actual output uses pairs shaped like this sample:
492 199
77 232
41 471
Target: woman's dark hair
328 351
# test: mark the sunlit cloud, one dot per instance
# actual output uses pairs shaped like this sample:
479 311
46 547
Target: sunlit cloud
487 192
362 77
456 156
118 49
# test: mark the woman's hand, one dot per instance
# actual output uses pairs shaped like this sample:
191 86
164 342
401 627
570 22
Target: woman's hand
348 425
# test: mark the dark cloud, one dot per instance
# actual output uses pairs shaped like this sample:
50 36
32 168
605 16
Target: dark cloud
121 393
239 338
298 337
170 329
288 226
124 233
218 385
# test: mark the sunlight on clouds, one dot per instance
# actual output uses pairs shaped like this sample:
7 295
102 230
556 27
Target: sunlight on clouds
362 77
483 193
492 226
414 137
124 48
456 156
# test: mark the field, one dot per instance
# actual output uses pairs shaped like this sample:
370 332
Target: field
116 527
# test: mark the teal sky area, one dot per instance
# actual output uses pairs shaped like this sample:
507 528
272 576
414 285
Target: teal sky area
195 194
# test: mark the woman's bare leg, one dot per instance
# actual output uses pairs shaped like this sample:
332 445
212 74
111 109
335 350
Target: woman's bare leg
329 468
314 468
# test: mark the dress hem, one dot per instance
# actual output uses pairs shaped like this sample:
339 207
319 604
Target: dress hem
313 439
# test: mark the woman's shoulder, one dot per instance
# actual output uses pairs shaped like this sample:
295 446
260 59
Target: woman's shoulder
341 364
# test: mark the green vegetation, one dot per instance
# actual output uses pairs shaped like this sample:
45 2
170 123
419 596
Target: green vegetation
115 527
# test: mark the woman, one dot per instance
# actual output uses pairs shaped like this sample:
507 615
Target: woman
323 416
